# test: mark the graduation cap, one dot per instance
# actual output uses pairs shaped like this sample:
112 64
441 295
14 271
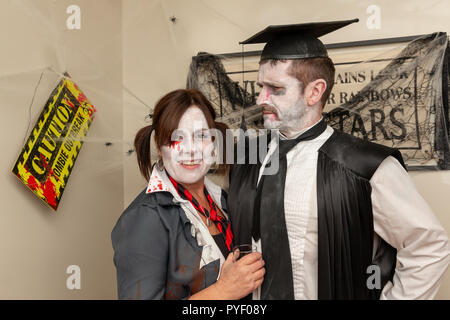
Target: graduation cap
295 41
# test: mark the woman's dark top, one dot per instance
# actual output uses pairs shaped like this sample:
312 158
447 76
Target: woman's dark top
155 254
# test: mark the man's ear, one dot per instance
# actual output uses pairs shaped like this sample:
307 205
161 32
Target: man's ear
314 91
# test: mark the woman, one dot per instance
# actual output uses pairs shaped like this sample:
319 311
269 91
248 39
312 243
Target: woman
174 240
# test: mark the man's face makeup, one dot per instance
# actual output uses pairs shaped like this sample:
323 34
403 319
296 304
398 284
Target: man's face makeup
188 156
280 97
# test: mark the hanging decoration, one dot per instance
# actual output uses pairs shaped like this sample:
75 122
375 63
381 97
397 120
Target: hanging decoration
49 154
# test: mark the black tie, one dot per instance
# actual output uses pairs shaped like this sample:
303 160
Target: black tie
269 222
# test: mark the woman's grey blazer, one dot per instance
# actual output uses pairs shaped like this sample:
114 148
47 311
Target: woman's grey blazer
155 255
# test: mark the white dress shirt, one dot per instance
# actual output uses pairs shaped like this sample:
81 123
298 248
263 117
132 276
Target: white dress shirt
401 217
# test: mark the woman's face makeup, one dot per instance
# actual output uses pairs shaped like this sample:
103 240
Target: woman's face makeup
188 157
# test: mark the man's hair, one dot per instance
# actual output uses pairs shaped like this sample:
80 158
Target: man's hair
308 70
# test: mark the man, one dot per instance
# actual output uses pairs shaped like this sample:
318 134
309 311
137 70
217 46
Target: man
341 219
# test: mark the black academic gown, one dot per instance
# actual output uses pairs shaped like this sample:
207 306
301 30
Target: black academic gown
345 219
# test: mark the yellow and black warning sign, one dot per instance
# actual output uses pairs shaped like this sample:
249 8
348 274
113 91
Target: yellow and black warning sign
47 159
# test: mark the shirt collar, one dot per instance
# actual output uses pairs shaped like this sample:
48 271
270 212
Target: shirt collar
160 182
297 134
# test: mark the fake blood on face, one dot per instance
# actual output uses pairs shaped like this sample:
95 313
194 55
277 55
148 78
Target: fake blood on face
175 145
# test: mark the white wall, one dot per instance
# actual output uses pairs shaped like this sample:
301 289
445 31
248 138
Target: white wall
38 244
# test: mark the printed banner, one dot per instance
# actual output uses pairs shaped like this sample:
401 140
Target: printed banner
393 94
47 159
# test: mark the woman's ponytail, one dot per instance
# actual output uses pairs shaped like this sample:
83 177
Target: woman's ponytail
142 147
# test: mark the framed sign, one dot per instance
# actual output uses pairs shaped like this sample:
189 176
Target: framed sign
390 91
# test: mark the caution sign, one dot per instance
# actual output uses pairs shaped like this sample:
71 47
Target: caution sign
47 159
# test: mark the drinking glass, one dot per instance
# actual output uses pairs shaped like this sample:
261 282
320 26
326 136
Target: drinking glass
243 250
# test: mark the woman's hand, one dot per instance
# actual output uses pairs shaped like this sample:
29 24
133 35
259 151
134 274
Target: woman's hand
239 278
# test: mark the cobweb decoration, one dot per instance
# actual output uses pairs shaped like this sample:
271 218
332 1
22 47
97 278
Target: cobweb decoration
208 74
408 111
412 101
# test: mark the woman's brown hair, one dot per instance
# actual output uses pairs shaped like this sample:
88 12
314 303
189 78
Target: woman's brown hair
166 116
